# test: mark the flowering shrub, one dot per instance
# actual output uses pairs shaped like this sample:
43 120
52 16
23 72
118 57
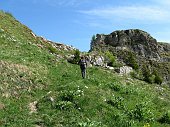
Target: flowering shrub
64 105
68 99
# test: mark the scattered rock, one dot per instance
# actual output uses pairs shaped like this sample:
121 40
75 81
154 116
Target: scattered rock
61 47
33 35
2 106
33 107
51 99
110 68
6 95
124 70
1 30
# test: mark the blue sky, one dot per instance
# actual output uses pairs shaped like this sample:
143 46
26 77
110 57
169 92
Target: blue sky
74 22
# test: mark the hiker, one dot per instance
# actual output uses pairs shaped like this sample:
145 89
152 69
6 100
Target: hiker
83 64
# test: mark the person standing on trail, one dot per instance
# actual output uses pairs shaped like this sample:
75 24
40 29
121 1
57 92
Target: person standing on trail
83 64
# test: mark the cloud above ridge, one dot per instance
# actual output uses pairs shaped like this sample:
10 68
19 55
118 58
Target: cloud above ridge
141 13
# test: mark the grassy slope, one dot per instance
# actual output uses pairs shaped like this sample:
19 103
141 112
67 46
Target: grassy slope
31 74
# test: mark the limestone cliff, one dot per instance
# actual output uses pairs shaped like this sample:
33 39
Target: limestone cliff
135 40
137 43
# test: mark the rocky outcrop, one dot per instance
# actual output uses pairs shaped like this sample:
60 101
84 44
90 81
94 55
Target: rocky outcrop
62 47
134 40
135 48
57 45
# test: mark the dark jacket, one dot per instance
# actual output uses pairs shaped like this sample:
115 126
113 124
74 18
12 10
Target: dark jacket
82 63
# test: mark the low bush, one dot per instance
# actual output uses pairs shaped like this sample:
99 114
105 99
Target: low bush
117 102
158 79
142 112
116 86
165 118
110 58
131 60
51 48
76 57
122 120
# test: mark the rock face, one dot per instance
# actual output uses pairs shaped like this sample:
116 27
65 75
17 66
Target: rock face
136 47
96 60
164 49
134 40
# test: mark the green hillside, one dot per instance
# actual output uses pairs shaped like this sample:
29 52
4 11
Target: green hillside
37 89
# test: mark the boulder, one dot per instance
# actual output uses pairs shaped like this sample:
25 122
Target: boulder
110 68
124 70
95 59
98 61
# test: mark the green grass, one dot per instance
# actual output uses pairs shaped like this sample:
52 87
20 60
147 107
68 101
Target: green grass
30 74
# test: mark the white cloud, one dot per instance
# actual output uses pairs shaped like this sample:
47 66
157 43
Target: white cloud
141 13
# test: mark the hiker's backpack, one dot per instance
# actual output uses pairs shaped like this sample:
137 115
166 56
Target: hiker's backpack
83 64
